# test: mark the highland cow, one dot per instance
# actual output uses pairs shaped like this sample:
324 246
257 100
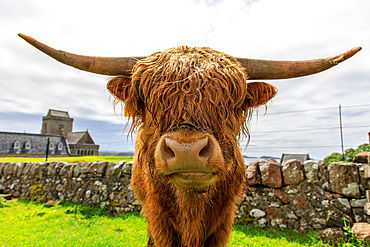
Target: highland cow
190 106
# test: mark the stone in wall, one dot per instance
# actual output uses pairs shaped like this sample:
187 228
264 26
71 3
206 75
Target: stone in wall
311 170
126 169
280 194
8 170
253 174
26 169
362 232
363 157
66 171
364 180
344 179
270 171
342 204
18 169
34 170
90 169
114 169
360 215
2 165
323 176
276 218
292 172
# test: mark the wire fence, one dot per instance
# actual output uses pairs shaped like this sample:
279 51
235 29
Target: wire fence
303 130
316 131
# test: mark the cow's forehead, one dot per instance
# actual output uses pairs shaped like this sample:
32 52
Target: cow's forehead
193 57
184 65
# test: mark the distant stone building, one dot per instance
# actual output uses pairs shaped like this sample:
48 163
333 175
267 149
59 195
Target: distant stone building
56 122
81 143
300 157
31 144
57 131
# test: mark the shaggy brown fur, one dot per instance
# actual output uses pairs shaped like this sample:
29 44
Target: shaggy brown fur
189 92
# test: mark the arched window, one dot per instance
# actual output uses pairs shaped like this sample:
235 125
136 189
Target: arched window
60 146
16 145
27 145
78 152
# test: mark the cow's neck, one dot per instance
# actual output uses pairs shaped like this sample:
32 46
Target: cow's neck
192 217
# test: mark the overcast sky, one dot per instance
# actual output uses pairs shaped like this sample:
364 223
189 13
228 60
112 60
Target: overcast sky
302 118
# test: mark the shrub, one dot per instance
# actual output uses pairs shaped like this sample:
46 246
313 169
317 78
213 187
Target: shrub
349 154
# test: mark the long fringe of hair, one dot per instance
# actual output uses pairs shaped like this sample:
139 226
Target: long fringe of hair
193 87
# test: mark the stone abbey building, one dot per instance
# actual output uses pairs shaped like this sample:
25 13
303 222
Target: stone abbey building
56 133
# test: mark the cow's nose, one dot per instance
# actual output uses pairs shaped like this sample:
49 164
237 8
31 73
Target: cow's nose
187 155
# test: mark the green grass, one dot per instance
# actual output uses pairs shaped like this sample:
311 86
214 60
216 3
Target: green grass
25 223
252 236
66 159
29 224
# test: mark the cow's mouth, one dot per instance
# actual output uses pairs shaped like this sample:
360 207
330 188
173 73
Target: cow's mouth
194 179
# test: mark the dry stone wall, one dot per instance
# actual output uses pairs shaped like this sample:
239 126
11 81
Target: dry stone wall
304 196
96 184
298 196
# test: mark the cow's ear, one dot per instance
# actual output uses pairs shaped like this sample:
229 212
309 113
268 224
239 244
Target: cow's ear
122 90
259 93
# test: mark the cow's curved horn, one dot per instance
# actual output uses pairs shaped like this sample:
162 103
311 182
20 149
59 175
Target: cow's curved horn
99 65
266 69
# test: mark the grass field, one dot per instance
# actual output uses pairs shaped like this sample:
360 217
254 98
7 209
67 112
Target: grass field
66 159
25 223
28 224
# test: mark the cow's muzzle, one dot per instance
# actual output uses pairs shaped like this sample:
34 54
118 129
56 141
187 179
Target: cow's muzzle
190 161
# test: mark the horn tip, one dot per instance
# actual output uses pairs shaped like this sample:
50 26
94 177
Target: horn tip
22 35
25 37
351 52
356 49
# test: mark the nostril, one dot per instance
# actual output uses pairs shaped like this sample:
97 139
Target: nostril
167 151
206 151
